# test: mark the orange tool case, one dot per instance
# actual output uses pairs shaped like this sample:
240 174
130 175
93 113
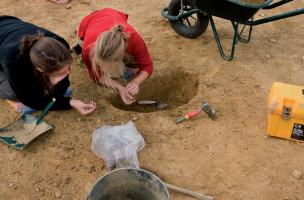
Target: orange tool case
286 112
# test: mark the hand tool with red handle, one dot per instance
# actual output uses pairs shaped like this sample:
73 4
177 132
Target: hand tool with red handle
205 107
188 116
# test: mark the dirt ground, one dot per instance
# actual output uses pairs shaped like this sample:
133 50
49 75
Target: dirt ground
230 158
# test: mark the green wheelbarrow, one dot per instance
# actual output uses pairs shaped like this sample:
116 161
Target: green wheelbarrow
190 18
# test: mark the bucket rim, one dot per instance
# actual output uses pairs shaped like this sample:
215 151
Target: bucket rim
126 169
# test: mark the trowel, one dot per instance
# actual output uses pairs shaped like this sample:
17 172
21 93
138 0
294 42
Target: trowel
159 104
21 132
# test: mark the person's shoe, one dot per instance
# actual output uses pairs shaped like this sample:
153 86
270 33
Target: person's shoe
76 49
20 107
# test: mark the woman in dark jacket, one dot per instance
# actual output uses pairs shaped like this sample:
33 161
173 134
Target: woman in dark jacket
34 67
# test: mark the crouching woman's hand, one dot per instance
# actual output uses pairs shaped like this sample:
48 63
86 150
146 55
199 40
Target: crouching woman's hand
83 108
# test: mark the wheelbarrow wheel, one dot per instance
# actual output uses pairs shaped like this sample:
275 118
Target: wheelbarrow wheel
190 27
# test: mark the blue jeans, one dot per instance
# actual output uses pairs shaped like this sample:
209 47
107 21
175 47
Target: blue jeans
129 74
29 110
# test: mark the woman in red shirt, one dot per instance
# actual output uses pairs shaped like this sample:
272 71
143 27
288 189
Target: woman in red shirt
112 48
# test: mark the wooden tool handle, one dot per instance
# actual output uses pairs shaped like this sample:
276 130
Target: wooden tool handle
196 195
146 102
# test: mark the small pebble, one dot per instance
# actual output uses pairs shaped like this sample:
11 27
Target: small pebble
188 126
58 194
134 118
113 118
78 120
303 58
55 184
67 7
37 189
171 132
99 121
268 56
273 41
67 180
12 157
12 185
297 174
92 169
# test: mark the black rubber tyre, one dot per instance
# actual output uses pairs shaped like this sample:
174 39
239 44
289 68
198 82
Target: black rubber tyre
184 27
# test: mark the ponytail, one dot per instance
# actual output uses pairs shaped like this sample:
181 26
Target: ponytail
109 48
28 41
118 28
46 54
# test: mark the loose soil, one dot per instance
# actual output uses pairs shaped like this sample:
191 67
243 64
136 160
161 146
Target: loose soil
230 158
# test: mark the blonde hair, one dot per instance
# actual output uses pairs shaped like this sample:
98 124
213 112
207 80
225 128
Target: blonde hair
108 53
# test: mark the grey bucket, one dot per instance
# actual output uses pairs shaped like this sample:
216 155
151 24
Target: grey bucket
129 184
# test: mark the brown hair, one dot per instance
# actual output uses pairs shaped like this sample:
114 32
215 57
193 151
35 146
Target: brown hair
45 53
109 49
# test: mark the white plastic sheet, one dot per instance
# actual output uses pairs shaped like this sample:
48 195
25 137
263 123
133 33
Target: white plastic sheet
118 145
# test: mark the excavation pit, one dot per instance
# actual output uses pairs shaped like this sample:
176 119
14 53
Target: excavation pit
175 89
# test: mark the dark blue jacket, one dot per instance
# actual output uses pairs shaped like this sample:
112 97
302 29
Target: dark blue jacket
19 69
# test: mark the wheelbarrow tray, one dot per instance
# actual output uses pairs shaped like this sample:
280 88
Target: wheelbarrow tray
235 10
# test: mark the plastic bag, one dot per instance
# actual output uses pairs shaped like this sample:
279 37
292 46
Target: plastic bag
118 145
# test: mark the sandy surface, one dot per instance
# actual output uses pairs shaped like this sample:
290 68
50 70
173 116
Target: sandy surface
231 158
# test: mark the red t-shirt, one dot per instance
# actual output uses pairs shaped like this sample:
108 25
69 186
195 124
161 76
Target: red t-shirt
104 20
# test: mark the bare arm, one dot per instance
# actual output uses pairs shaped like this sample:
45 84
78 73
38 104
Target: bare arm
110 83
143 75
133 86
83 108
123 92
